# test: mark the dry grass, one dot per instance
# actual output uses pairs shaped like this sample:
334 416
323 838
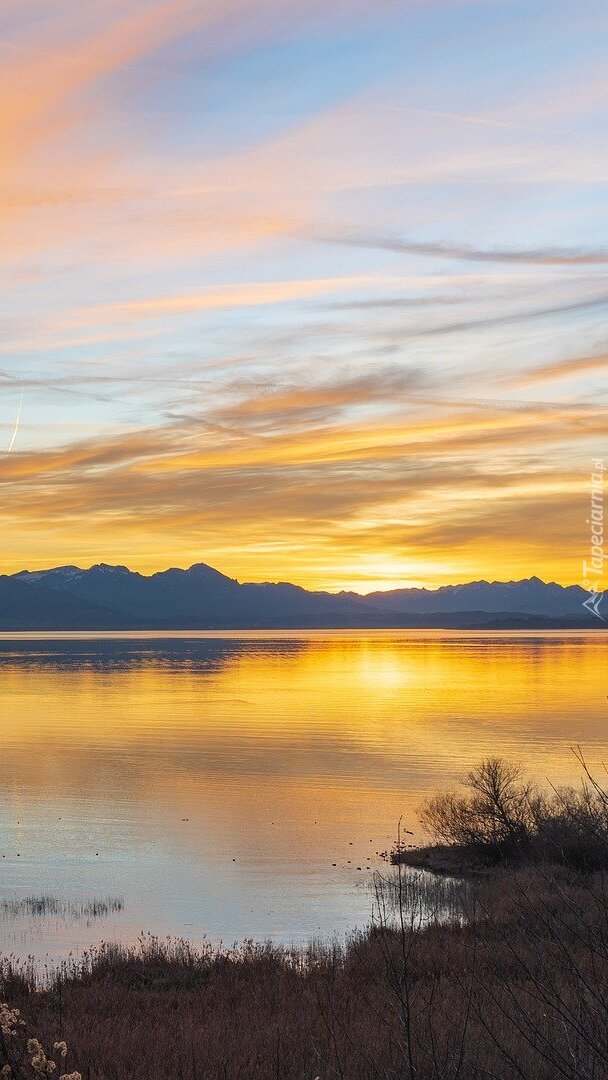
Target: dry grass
517 990
502 977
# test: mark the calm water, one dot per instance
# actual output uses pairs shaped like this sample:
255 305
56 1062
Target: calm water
205 784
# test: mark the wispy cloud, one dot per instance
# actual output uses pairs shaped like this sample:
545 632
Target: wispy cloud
524 315
572 367
554 256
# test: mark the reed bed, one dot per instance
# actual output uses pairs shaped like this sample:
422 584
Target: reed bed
517 989
46 907
500 977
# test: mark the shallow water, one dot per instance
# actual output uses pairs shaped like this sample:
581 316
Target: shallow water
205 784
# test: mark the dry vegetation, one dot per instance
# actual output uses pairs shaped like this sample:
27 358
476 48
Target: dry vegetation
505 978
502 819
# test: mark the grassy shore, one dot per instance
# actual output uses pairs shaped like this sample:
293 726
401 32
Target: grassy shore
501 976
511 983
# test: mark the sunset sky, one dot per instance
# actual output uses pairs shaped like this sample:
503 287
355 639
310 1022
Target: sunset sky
308 291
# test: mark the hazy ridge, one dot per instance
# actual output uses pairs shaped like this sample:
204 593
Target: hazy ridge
113 597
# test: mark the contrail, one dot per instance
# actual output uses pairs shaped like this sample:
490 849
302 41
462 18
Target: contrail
16 429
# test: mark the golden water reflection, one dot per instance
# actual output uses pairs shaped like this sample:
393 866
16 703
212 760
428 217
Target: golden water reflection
213 780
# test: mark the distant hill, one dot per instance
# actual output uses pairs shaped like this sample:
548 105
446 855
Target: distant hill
42 608
199 597
533 596
114 597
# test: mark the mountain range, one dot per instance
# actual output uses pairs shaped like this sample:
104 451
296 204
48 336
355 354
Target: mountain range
115 598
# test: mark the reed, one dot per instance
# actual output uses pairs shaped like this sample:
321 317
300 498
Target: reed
45 907
515 989
500 977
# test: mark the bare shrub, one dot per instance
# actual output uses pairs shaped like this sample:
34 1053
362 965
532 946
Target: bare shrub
502 816
494 812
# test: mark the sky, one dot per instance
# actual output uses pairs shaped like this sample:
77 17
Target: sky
306 291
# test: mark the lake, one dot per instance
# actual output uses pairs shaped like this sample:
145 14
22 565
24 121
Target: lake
243 785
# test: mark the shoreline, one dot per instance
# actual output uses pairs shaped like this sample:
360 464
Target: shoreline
446 860
274 633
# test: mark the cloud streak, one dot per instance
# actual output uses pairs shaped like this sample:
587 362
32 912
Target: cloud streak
573 367
554 256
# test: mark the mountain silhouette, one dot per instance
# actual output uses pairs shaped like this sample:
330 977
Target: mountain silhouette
530 595
107 597
42 608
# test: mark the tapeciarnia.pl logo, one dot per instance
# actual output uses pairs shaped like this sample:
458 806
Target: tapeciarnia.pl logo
596 564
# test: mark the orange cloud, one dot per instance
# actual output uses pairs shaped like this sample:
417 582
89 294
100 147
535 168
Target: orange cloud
571 367
438 497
